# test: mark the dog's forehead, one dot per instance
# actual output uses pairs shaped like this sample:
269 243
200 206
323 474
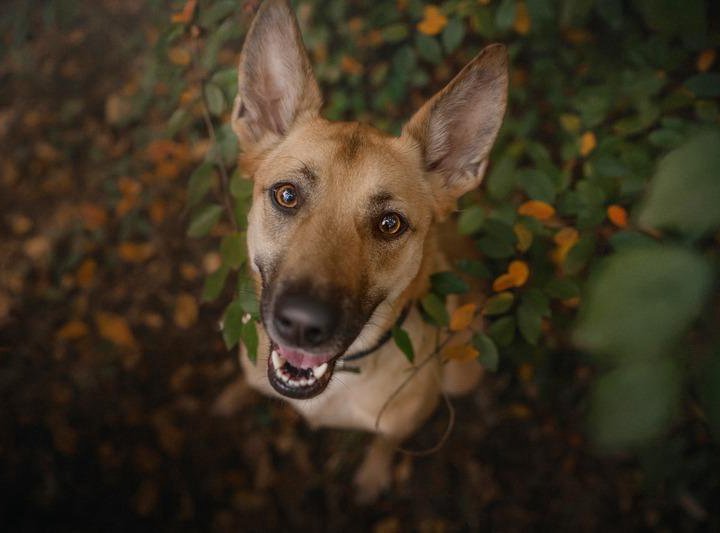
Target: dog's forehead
341 154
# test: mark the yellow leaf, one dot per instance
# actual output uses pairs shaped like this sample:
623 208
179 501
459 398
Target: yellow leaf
179 56
75 329
186 311
617 215
462 317
537 209
588 142
433 21
522 19
503 282
524 236
460 352
570 123
706 59
566 236
115 329
519 271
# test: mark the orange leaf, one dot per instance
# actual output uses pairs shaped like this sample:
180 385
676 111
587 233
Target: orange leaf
617 215
524 236
86 273
537 209
186 311
72 330
93 216
433 21
588 142
186 14
350 65
132 252
462 317
566 236
519 271
503 282
115 329
460 352
179 56
522 19
705 60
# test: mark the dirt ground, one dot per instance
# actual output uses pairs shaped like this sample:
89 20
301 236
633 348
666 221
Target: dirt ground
110 374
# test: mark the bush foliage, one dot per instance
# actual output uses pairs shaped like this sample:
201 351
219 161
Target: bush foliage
601 199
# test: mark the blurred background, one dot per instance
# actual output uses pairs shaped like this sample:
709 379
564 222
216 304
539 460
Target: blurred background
122 219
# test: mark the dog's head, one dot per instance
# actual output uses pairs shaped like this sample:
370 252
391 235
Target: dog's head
340 227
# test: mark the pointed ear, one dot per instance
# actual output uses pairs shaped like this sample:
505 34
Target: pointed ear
276 86
457 127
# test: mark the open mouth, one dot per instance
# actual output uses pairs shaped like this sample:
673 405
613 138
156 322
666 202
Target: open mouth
296 374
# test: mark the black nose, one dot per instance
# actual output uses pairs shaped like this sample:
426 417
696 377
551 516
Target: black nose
303 321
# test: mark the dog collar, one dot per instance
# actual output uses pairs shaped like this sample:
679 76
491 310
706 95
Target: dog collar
381 341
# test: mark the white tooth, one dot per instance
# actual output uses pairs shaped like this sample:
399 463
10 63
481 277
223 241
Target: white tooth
319 371
303 382
278 361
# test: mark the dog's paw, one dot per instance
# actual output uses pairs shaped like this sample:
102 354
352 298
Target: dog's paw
370 481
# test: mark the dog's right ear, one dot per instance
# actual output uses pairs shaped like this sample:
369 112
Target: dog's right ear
276 86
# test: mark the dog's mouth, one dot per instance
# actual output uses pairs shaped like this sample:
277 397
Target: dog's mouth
298 374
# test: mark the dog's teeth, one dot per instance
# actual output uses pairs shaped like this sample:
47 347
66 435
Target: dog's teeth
319 371
277 360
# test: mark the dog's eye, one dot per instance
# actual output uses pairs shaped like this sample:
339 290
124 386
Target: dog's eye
285 196
391 224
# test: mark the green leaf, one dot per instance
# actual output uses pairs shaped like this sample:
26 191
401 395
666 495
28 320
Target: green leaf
232 324
499 304
473 267
502 331
435 308
214 284
489 357
178 120
505 14
684 195
199 183
562 289
501 180
240 187
204 220
448 283
249 337
471 220
216 12
247 297
641 301
496 247
215 99
395 33
529 321
428 48
403 342
453 34
710 392
233 249
538 185
634 403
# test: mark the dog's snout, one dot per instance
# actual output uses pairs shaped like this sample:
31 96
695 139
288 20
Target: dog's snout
303 321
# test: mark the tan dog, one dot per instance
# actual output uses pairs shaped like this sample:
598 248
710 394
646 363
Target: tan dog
341 236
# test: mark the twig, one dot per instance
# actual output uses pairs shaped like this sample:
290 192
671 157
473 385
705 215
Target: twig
219 163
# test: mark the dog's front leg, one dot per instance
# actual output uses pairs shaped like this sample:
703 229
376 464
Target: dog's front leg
374 474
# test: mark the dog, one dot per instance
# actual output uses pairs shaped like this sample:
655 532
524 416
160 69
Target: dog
342 238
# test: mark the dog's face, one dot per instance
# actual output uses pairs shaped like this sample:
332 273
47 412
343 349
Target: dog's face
340 227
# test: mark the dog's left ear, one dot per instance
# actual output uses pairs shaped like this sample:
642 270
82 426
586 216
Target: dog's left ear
457 127
276 86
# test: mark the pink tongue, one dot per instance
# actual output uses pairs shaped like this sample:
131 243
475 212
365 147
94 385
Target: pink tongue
300 359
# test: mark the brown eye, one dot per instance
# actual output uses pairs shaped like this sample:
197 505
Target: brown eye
390 224
286 196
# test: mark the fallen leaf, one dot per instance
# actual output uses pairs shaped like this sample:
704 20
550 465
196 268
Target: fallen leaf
705 60
186 311
20 224
462 317
85 274
132 252
73 330
617 215
588 142
115 328
460 352
37 248
350 65
522 19
537 209
433 21
93 216
179 56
